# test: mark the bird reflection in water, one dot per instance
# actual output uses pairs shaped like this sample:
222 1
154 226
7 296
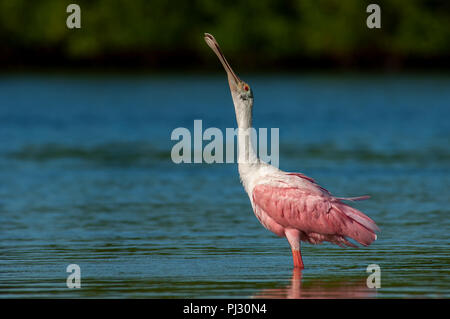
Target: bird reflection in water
318 289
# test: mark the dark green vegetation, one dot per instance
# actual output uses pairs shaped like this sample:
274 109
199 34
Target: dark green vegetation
256 33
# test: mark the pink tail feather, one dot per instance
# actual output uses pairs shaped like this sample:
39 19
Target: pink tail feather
362 229
354 199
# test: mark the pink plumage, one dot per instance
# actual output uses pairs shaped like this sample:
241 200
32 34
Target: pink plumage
313 211
301 210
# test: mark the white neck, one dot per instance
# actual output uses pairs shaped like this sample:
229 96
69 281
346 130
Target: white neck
248 160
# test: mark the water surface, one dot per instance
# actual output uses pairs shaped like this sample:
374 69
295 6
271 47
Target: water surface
87 178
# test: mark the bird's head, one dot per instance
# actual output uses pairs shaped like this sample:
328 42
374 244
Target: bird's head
239 89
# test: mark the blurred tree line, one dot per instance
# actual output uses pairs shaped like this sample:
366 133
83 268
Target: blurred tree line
269 34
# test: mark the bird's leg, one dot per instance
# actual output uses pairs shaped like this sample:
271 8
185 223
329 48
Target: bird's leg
293 237
297 256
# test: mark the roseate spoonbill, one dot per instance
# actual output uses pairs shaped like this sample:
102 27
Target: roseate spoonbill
290 205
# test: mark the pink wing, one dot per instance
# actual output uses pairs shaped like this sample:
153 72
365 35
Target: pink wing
318 215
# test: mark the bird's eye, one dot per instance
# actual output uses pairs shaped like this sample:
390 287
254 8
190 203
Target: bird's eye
246 87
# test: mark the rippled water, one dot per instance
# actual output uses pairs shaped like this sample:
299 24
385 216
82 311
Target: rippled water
87 178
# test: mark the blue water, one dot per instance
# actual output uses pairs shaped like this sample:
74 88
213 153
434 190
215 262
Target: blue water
87 179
